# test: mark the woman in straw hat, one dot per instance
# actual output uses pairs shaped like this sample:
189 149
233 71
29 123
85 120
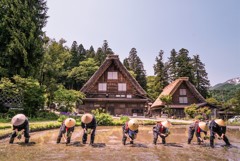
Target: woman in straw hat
218 128
161 129
191 130
201 127
89 125
130 129
20 125
66 127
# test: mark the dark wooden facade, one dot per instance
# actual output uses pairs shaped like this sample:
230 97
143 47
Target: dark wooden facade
115 90
183 94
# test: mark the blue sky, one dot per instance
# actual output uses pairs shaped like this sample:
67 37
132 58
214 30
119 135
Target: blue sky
210 29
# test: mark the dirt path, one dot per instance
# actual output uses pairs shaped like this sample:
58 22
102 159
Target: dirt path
108 146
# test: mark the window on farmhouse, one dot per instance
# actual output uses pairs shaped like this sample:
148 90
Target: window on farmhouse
112 75
183 92
102 86
122 87
183 100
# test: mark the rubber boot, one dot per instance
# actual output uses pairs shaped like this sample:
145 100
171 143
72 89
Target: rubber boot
124 139
26 140
11 140
154 141
211 144
91 141
225 139
189 141
163 141
68 140
58 140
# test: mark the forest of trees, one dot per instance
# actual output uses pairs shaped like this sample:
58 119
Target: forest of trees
28 53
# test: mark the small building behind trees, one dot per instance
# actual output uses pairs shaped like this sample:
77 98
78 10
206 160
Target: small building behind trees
114 89
183 94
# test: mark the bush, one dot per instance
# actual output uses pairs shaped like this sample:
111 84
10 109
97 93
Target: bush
63 117
47 115
102 117
124 118
199 117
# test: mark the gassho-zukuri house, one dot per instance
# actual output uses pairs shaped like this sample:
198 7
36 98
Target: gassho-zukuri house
114 89
183 94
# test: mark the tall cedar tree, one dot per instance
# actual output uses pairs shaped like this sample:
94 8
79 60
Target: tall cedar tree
100 56
201 76
90 53
105 48
78 54
184 66
172 66
134 63
160 71
21 36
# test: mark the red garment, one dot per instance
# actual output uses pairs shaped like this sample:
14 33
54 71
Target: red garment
161 128
198 129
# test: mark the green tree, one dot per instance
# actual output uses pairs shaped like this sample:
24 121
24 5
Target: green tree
213 101
184 66
201 76
167 100
53 70
83 72
67 98
90 53
151 87
134 63
32 93
21 36
105 48
191 110
160 71
100 56
172 66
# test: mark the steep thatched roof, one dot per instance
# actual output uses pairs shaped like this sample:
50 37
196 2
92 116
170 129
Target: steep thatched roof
112 59
171 89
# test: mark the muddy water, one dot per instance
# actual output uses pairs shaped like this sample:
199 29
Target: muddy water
43 147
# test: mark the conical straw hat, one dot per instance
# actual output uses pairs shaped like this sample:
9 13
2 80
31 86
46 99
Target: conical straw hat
70 122
18 119
133 124
87 118
166 124
220 122
203 126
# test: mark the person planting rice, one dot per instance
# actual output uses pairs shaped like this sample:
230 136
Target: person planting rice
130 129
20 125
201 127
218 129
67 127
191 130
161 129
89 125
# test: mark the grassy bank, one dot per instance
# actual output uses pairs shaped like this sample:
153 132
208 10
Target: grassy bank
6 128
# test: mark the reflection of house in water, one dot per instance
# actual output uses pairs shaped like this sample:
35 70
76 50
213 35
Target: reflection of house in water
183 94
114 89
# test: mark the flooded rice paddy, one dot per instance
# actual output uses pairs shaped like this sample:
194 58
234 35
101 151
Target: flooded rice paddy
108 147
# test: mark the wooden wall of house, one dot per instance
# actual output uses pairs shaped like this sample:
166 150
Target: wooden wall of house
112 85
117 108
191 98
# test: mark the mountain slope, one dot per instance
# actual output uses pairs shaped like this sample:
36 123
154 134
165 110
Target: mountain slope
225 91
